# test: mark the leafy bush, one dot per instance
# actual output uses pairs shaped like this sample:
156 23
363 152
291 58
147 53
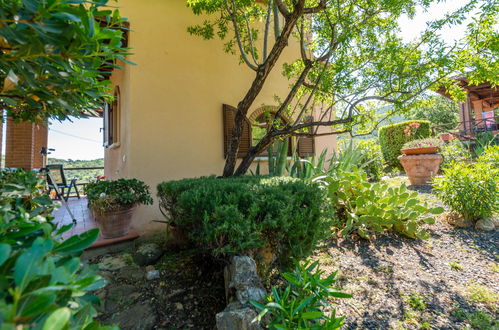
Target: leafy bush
42 283
239 216
364 207
119 194
469 189
423 143
454 151
301 304
490 156
393 137
484 140
372 158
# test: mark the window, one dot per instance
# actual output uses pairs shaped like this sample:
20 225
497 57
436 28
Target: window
261 125
255 128
112 119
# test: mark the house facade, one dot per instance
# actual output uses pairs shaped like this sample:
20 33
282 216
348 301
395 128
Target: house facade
167 121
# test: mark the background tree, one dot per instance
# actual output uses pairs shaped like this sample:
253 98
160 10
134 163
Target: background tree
438 110
53 55
350 60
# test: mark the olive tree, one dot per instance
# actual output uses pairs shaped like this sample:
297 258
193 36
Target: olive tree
53 56
349 60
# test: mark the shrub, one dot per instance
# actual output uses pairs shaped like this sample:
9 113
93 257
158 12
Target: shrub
469 189
372 157
119 194
484 140
301 304
364 208
42 282
454 151
490 156
239 216
393 137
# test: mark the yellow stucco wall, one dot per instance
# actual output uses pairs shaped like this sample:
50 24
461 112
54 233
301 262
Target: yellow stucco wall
171 120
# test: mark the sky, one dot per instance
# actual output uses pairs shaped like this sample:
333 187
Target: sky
82 138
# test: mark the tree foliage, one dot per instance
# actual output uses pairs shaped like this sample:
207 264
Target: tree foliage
53 54
350 60
438 110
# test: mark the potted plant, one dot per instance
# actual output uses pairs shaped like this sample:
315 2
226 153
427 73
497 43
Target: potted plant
421 160
113 203
421 146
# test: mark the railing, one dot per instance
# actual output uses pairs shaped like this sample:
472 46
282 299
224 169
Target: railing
467 129
83 168
82 182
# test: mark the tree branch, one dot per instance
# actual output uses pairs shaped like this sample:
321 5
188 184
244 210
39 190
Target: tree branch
282 8
312 10
232 16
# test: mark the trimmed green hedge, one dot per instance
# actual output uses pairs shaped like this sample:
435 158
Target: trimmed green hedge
393 137
242 215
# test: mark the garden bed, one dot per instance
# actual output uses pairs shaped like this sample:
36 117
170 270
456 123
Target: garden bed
444 282
448 281
187 294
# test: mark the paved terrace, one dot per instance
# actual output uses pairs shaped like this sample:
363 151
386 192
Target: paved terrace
85 222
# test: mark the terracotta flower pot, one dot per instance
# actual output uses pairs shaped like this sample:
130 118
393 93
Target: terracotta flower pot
420 151
446 137
114 224
421 169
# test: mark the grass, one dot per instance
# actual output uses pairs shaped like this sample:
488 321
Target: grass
415 312
455 266
494 266
483 295
477 320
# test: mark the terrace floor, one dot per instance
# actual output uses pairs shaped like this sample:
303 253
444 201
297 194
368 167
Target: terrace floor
85 222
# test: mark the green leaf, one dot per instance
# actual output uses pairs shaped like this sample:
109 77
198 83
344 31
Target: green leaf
58 319
4 253
312 315
78 242
437 210
35 305
28 264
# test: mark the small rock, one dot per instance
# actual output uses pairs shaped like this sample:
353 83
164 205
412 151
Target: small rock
485 224
237 319
179 306
152 274
138 317
130 273
147 254
112 263
457 220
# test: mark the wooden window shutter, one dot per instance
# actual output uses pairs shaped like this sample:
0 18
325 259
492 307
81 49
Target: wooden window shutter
306 145
105 130
229 114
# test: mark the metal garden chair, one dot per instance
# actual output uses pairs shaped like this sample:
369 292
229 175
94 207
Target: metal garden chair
57 175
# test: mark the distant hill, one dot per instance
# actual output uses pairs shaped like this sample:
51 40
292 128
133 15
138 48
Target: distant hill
81 175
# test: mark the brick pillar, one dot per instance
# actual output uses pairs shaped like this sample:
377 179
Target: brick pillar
40 135
23 144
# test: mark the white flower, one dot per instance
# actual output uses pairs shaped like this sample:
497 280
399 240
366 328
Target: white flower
102 195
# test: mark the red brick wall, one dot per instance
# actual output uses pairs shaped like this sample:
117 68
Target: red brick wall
40 134
23 144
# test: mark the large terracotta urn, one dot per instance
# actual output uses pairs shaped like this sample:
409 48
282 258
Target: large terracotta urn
421 169
114 224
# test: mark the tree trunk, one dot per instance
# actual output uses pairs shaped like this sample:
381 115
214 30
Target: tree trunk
255 89
254 152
